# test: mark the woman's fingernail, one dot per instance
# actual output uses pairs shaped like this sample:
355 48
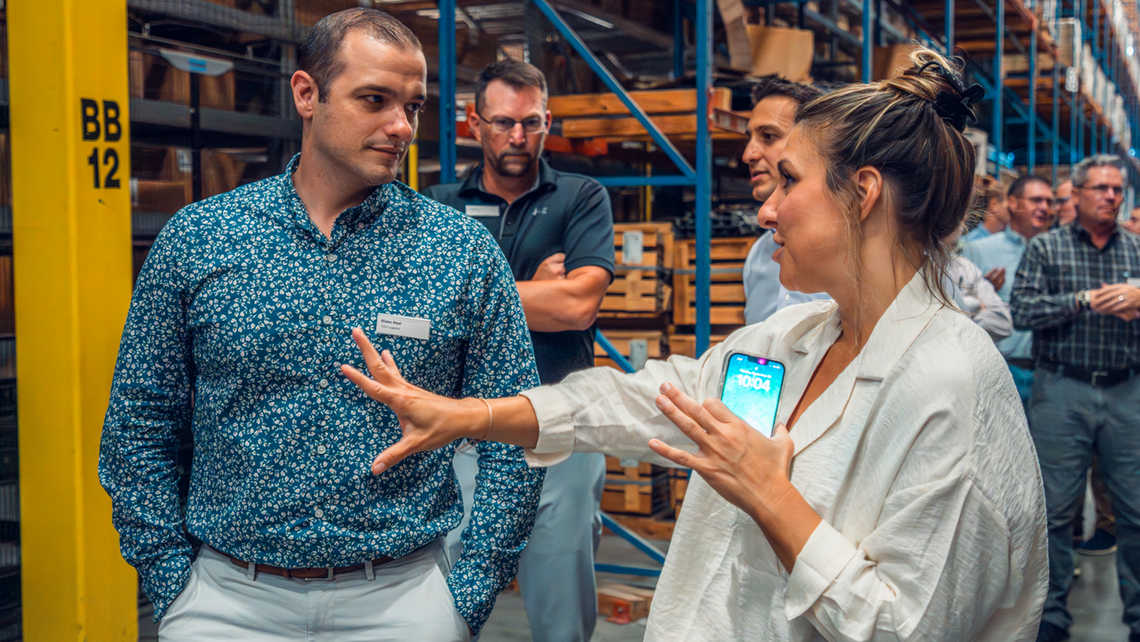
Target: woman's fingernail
666 387
378 468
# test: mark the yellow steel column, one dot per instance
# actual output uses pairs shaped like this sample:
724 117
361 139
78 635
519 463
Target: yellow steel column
72 252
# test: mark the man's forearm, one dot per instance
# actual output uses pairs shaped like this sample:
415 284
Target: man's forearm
557 306
1041 311
502 516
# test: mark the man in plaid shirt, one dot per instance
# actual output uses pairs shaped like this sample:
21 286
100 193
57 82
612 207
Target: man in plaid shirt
1078 290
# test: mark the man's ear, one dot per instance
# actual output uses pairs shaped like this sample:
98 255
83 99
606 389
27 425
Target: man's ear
305 94
869 182
476 128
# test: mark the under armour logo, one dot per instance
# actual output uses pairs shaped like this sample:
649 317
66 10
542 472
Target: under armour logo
538 211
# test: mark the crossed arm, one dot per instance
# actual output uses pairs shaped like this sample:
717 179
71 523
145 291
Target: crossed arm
556 300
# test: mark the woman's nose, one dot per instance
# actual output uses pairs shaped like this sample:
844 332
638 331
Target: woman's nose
766 217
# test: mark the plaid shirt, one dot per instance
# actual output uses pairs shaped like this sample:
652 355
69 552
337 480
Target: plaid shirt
1056 266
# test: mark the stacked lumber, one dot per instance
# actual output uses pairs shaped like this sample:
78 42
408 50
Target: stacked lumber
672 110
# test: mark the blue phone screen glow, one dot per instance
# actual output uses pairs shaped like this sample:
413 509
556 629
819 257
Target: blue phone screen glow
752 390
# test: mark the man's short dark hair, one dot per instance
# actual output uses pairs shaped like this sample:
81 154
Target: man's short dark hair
515 73
320 52
777 86
1017 187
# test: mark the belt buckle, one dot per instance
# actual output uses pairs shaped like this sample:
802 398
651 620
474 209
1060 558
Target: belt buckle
1097 374
322 579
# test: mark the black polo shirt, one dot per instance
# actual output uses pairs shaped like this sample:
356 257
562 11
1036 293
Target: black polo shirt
564 213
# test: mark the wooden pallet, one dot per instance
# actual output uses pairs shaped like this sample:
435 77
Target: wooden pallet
726 290
640 288
640 490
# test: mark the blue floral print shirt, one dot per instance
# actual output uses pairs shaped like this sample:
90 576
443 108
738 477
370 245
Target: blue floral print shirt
240 320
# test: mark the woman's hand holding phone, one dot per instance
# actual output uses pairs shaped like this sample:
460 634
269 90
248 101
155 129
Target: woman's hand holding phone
745 467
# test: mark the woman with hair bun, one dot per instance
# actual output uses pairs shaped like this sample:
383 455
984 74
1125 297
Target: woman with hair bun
903 499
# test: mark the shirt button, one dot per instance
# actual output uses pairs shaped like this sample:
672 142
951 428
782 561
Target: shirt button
321 450
324 383
361 226
331 258
318 513
327 320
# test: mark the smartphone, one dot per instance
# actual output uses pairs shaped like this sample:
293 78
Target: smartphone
751 389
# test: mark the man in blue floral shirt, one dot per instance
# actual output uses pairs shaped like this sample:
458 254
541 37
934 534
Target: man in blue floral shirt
239 325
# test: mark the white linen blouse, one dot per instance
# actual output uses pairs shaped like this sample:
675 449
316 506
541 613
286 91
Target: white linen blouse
917 457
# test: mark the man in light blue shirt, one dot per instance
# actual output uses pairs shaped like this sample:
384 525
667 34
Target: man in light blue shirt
1030 205
774 103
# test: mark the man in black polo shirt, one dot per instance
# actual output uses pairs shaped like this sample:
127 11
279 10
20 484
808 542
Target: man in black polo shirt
1077 290
557 233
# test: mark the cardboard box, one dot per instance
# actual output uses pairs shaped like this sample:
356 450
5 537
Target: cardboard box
891 61
786 52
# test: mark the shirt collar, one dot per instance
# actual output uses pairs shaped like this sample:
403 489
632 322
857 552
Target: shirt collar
906 318
364 214
1081 234
473 184
1013 237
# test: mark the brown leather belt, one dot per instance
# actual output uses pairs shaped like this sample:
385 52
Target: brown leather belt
317 573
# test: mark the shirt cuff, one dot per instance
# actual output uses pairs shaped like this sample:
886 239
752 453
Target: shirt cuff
824 556
1069 304
165 581
555 427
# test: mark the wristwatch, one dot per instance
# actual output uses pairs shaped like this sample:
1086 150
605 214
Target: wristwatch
1083 302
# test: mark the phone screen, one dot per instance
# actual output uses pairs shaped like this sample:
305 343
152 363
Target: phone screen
751 390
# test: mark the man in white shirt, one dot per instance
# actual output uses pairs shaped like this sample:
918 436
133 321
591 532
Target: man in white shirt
1030 204
774 103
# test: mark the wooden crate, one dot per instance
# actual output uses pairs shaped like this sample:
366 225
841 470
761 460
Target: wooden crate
624 340
726 290
640 287
633 490
686 344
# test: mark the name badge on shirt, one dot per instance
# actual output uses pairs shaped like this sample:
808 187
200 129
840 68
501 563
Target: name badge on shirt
482 210
403 326
1134 283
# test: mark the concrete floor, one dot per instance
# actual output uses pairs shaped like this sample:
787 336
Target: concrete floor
1094 603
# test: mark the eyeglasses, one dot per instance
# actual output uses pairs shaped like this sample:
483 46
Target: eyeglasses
503 125
1105 190
1039 201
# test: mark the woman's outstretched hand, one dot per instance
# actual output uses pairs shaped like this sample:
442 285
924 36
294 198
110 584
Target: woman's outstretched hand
740 464
428 421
